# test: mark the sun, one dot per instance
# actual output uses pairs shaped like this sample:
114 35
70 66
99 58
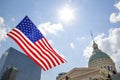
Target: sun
66 14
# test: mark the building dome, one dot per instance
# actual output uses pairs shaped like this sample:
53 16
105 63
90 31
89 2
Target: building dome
99 55
100 59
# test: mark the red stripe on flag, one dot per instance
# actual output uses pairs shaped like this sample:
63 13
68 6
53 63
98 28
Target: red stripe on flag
23 48
53 55
24 41
46 52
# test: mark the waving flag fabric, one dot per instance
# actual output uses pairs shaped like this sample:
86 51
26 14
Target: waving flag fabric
35 45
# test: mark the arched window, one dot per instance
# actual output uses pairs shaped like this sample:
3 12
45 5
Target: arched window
102 59
109 68
105 67
90 78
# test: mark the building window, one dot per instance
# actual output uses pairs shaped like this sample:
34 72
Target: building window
90 78
109 68
102 59
105 67
101 67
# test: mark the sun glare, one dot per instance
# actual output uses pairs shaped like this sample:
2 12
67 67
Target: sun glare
66 14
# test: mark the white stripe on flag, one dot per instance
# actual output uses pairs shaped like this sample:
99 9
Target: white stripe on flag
26 49
31 48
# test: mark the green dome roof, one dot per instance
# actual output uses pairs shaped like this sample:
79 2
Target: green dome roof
98 55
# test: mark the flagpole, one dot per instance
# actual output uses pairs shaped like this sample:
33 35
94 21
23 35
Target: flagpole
92 36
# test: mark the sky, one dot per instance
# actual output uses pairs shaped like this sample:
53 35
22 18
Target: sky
67 25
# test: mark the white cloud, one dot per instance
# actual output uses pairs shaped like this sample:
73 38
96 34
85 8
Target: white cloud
13 19
117 5
72 45
88 51
109 44
50 28
3 30
115 17
1 20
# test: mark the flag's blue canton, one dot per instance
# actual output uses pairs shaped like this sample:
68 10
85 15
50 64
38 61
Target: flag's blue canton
27 27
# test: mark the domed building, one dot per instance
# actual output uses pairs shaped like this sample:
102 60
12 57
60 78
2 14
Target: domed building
100 59
100 67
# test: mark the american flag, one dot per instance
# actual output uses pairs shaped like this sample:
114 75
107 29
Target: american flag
35 45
